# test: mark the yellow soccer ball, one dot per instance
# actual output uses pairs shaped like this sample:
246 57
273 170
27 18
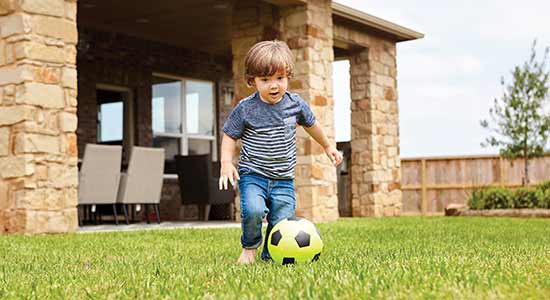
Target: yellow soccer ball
294 240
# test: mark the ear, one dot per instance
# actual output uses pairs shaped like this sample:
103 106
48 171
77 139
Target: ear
250 83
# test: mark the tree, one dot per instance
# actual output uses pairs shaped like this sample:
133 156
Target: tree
520 126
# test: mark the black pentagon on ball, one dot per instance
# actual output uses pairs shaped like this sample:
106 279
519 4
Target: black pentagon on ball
276 238
316 257
288 260
302 238
294 218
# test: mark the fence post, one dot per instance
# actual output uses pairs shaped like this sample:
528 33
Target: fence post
501 170
424 189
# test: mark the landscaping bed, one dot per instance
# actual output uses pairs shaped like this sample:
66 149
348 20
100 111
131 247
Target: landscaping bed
462 210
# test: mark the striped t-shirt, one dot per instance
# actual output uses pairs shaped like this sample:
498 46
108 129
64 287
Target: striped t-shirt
268 133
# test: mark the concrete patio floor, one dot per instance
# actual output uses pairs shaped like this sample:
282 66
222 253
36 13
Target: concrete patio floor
155 226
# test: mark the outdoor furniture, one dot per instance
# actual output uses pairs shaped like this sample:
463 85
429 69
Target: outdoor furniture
198 179
99 177
142 183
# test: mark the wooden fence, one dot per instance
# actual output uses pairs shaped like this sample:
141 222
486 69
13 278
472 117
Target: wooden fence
430 183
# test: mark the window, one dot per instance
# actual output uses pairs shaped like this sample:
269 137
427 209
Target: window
183 117
114 116
109 117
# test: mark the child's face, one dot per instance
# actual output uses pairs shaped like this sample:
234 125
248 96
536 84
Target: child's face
272 88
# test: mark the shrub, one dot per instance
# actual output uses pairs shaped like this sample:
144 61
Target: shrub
525 198
476 200
544 186
490 198
543 198
496 197
543 194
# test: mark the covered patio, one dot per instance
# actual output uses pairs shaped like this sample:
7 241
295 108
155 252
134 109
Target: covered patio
134 73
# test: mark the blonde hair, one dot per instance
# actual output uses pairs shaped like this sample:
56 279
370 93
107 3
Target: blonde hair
267 58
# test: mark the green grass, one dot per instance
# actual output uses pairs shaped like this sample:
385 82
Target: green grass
389 258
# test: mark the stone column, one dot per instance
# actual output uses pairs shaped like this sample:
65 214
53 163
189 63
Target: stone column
38 86
375 166
308 31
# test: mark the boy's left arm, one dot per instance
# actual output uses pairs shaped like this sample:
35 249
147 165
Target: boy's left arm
317 133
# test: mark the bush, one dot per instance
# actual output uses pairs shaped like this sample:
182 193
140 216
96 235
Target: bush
543 194
525 198
545 186
499 198
490 198
543 197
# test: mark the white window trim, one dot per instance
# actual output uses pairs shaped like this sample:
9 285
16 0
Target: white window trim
183 136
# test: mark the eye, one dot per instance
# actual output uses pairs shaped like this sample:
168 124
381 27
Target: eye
264 79
280 77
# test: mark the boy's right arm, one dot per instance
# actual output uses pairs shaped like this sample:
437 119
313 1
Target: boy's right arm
228 170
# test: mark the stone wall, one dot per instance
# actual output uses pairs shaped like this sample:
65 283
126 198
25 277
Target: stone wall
38 90
375 170
110 58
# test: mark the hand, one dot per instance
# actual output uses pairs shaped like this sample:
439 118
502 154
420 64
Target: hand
228 172
334 155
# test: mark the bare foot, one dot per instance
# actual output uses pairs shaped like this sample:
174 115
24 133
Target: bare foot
248 256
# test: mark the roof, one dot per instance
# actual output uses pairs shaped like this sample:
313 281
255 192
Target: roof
401 33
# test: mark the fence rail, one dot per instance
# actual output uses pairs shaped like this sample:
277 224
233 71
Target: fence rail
430 183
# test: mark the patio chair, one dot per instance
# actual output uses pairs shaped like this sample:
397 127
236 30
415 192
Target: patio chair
142 183
99 177
198 181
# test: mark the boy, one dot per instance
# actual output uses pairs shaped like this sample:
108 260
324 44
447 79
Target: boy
266 123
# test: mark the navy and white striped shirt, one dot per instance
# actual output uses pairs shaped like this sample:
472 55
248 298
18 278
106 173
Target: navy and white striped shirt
268 133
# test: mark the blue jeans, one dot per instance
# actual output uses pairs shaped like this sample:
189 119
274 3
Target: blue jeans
261 196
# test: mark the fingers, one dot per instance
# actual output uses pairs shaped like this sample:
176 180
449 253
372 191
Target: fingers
333 158
339 158
232 180
222 184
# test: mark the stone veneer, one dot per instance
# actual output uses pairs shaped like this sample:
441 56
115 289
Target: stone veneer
375 169
38 90
307 29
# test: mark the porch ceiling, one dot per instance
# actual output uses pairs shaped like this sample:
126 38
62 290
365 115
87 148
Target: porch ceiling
203 25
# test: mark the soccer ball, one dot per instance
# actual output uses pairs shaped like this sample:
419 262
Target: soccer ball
294 240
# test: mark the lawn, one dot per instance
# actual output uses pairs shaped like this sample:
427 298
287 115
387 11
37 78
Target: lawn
389 258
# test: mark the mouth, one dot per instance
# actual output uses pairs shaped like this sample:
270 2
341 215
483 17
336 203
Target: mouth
274 94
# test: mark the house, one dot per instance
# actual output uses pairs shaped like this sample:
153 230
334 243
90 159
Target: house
119 71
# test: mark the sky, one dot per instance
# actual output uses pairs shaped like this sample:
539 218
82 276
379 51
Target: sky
447 81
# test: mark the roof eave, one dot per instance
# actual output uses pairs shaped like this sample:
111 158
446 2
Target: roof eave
401 33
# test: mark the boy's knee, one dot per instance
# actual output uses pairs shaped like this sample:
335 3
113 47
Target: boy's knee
256 214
